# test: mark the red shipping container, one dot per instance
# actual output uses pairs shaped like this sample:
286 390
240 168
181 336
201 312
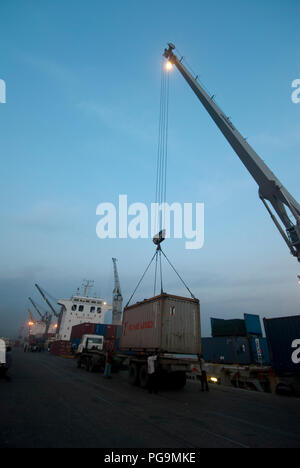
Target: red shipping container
83 329
61 348
111 332
109 345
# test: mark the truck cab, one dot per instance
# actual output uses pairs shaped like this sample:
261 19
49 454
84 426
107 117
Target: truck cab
91 343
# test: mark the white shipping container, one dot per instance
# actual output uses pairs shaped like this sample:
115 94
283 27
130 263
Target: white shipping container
169 324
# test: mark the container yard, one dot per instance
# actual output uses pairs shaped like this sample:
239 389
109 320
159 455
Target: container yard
149 271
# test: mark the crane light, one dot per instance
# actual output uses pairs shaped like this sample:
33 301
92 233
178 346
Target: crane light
30 324
169 66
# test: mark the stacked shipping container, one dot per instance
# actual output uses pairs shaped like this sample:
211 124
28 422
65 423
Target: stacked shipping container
236 341
111 334
61 348
236 350
283 335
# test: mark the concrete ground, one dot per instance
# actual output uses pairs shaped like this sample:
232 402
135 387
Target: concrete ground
51 403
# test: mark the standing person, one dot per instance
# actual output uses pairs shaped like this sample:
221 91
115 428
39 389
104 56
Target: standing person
3 364
8 361
108 362
204 383
152 362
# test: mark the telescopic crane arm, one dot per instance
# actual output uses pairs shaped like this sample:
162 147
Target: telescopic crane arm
46 300
36 308
270 188
46 318
117 297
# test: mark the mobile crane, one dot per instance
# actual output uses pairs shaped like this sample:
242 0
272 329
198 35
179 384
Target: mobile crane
117 297
270 188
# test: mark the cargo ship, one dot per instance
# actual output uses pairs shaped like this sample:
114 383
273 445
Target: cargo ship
80 309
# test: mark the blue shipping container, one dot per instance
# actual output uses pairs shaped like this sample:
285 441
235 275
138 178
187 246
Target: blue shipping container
283 335
75 342
260 350
253 325
227 350
100 329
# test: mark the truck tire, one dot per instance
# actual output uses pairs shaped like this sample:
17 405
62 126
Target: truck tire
90 365
143 376
133 374
85 363
178 380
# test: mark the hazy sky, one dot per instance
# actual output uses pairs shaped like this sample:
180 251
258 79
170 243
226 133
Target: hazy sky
80 127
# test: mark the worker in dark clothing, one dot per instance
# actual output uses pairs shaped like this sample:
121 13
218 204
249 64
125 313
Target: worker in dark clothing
8 361
204 383
152 362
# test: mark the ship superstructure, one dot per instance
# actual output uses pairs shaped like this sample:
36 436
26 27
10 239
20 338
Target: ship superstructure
80 309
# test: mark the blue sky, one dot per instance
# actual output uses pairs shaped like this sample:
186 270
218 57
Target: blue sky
80 127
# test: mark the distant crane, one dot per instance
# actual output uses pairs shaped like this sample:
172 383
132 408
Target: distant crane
46 318
117 297
46 300
56 314
270 188
31 318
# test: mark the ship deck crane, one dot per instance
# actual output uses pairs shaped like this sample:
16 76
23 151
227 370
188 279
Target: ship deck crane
46 300
31 318
117 297
270 188
36 308
46 318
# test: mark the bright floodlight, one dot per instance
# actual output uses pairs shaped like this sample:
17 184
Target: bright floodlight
169 66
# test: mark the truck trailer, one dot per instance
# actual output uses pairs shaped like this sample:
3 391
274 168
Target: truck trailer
165 325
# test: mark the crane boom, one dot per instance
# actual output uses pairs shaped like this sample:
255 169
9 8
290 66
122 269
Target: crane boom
46 300
36 308
270 188
117 297
31 319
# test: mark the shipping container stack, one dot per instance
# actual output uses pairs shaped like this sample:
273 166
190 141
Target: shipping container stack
83 329
237 341
61 348
111 334
283 335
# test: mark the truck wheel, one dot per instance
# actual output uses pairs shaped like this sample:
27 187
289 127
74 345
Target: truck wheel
178 380
92 365
143 376
133 375
85 362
